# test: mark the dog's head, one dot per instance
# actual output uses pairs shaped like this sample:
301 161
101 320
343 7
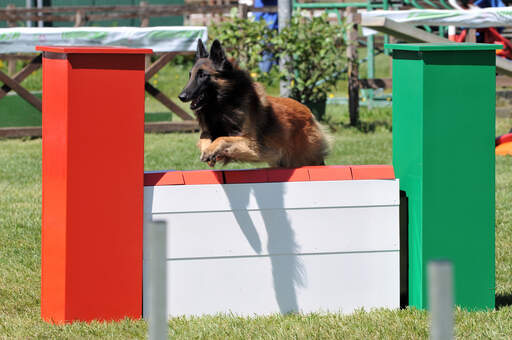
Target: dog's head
206 75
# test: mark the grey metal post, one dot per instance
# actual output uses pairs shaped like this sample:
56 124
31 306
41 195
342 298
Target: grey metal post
440 298
40 5
158 315
284 13
28 4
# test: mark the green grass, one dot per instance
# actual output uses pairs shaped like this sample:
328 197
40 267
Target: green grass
20 236
14 111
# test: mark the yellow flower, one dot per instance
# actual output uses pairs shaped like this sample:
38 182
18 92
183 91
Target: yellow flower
155 82
292 83
331 95
156 75
363 99
388 99
254 74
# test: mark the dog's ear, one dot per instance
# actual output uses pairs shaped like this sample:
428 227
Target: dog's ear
201 50
218 57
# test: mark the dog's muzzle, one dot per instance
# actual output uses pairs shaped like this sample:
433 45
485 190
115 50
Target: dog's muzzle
183 97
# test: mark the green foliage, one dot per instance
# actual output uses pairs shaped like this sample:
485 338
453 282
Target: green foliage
315 46
244 40
316 51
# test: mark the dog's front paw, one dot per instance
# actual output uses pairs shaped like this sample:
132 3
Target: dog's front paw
212 156
203 157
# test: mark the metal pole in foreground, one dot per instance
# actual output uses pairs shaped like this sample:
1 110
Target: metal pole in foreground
440 298
158 326
284 13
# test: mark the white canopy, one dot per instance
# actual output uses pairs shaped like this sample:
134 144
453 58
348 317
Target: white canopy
160 39
474 18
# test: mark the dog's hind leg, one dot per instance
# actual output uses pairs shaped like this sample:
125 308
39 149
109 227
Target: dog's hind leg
235 148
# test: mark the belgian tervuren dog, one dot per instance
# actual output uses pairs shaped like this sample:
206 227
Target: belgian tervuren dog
239 122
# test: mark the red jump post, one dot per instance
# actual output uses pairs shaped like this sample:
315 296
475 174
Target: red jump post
93 124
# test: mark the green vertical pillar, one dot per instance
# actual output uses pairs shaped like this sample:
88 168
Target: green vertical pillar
443 153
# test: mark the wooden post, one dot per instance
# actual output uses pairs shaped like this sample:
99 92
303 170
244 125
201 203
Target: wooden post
34 65
11 63
353 19
471 37
392 40
144 22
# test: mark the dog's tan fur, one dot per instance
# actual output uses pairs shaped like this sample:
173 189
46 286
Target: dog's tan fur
279 131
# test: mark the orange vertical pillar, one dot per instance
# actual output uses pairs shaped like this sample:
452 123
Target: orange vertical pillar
93 164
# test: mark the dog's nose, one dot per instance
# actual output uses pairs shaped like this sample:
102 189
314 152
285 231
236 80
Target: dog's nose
182 96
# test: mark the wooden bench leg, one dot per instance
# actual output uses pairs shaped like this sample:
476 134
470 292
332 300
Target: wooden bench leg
162 98
33 66
159 64
23 92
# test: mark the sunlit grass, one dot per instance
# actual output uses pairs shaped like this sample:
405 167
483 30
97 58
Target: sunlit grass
20 237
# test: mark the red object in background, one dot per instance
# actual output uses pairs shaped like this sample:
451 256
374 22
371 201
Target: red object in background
506 138
461 37
490 36
504 145
93 163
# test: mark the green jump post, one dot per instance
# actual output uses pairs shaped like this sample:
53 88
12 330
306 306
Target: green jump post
444 98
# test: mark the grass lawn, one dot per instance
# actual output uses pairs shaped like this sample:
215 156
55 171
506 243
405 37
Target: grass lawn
20 233
20 237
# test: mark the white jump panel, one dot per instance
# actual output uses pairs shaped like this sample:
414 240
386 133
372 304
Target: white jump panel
278 247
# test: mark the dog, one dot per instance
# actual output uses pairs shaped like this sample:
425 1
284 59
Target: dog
239 122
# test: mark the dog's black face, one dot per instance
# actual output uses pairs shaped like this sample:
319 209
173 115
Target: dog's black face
206 75
199 85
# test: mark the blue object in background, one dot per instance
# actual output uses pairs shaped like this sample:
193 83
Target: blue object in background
271 19
488 3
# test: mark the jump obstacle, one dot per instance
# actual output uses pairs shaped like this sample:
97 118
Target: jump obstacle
278 240
311 239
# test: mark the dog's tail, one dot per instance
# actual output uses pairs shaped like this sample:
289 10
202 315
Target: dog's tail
327 140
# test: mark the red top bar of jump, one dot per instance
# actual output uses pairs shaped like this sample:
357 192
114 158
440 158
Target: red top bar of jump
94 49
303 174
